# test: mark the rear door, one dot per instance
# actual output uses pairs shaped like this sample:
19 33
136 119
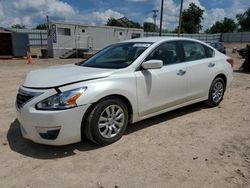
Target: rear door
200 67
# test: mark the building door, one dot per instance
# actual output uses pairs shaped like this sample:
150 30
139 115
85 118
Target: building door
20 43
5 44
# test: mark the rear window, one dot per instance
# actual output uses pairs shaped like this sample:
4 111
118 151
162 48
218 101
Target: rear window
210 51
193 51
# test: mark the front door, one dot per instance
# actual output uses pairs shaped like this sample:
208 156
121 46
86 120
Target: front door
158 89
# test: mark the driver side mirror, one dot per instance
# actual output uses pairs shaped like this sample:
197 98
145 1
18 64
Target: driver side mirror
152 64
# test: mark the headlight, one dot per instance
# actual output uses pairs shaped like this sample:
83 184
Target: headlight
61 101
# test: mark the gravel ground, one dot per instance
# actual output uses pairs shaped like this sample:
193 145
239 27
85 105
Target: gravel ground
194 146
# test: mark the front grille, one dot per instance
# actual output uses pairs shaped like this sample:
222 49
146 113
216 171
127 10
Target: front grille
23 97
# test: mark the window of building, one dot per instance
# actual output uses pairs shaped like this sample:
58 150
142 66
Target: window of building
83 30
135 35
63 31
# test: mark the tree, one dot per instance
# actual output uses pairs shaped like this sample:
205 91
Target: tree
122 22
223 26
191 19
113 22
176 30
150 27
134 24
42 26
244 20
18 26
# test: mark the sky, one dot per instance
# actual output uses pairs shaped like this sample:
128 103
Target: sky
97 12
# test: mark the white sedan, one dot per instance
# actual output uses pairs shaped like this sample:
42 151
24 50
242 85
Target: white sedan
123 83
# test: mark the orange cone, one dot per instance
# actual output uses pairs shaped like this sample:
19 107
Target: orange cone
29 58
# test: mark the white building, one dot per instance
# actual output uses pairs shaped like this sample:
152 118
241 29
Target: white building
66 39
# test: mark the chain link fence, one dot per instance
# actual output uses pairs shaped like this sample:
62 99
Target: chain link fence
202 37
236 37
38 38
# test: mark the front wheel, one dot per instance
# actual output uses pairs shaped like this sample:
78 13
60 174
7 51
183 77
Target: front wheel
107 121
216 92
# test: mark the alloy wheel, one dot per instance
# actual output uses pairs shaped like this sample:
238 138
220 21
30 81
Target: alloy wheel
111 121
217 93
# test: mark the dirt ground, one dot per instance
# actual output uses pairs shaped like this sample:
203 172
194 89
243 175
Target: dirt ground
194 146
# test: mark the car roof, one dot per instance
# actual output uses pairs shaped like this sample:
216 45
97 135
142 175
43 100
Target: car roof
158 39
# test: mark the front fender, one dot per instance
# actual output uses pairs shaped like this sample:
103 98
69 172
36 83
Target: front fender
124 85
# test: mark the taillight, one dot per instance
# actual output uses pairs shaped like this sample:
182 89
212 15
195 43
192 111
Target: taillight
231 62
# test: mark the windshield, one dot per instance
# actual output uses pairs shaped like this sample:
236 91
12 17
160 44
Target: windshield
116 56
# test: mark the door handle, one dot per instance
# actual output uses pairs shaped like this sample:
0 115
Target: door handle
181 72
211 64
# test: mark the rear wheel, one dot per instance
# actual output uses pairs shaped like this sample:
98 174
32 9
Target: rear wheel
216 92
107 121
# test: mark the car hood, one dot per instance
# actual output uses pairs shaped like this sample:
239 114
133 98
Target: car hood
55 76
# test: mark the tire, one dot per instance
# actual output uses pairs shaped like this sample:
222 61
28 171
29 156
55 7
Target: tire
216 92
107 121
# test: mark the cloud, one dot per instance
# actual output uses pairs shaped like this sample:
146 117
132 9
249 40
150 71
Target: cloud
211 16
196 2
102 17
171 14
9 21
27 20
1 12
217 14
32 12
54 8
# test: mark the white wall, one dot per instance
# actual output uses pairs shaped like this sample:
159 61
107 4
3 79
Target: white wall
93 38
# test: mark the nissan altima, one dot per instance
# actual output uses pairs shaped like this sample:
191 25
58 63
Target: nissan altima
124 83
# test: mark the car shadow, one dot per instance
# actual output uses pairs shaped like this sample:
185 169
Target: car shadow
30 149
241 71
164 117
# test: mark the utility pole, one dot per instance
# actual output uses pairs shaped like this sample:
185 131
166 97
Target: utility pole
162 1
154 17
180 19
47 18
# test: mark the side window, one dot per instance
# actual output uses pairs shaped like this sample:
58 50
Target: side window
167 52
193 51
210 52
63 31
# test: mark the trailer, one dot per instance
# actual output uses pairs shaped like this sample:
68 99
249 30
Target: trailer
70 39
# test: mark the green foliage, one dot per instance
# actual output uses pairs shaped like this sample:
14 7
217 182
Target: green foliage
149 27
18 26
113 22
122 22
223 26
191 19
42 26
244 20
